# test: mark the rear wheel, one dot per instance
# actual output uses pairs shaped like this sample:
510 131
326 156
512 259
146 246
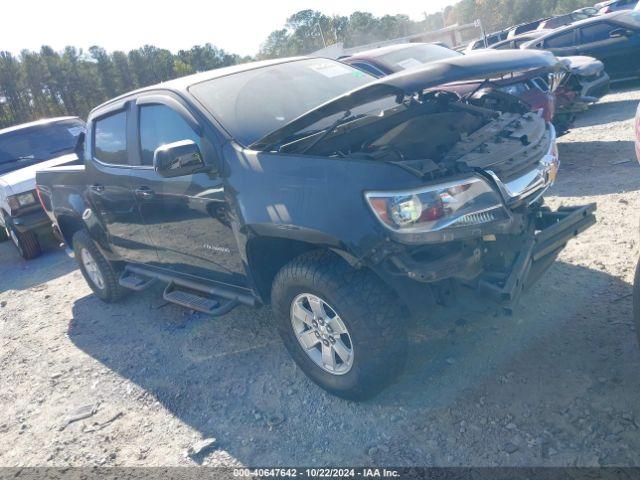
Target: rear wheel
26 242
98 272
342 326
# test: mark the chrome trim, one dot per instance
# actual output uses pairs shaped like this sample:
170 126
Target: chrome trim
537 180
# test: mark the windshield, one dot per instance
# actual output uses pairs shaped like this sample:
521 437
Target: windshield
27 146
253 103
416 55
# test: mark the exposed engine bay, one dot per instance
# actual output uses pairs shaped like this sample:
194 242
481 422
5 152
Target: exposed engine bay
439 133
488 133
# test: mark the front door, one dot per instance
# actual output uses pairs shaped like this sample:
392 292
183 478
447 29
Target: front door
617 47
186 217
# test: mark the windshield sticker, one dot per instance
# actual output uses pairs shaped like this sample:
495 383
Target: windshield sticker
409 63
75 131
331 70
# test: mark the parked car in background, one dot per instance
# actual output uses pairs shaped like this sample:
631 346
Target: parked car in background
23 150
638 133
396 58
591 11
343 201
490 40
519 40
611 6
636 280
613 39
562 20
524 27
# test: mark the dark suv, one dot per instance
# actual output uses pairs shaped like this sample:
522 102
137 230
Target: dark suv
344 201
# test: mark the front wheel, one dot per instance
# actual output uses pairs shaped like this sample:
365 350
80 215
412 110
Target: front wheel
26 242
98 272
343 327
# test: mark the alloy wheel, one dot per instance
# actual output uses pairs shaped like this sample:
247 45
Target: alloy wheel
91 267
322 334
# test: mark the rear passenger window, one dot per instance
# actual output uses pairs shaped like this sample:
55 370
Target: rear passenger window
560 41
160 125
110 139
596 32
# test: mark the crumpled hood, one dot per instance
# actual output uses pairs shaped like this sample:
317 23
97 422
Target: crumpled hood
24 179
583 65
482 65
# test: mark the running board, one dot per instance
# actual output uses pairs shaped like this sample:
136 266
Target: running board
134 281
198 301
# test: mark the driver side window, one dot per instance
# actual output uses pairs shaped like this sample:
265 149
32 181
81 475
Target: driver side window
160 125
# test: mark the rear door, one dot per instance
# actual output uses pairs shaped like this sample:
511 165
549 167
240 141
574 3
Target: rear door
187 217
110 192
613 44
562 44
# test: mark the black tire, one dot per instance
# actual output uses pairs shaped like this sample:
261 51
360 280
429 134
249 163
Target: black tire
636 300
26 242
370 311
110 291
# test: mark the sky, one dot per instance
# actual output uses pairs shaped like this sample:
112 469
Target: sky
235 25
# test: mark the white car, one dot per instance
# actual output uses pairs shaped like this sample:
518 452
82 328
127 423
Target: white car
24 149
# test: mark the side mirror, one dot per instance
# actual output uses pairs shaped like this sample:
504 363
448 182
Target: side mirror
619 32
177 159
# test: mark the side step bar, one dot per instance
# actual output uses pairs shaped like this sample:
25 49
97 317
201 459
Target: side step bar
197 300
134 281
202 297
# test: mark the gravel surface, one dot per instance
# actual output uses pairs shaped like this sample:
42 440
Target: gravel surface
147 383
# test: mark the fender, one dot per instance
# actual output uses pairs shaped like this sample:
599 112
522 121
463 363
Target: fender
319 200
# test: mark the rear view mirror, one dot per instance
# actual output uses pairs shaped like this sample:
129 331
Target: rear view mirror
177 159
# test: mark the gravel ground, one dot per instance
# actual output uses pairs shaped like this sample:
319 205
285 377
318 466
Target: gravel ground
142 382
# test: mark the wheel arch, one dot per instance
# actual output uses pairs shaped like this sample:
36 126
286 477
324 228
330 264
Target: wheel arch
68 226
266 255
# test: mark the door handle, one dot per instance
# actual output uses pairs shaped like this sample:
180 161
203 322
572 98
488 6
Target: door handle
145 193
96 187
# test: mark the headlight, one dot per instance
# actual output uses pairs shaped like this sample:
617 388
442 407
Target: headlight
463 203
21 200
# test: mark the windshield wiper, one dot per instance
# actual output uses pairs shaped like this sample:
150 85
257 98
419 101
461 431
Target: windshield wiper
61 150
346 117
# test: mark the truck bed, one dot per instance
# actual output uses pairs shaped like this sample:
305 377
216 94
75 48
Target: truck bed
58 185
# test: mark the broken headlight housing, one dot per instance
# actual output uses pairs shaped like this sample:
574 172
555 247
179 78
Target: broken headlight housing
468 202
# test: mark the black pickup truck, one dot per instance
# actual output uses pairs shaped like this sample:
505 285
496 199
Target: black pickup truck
343 201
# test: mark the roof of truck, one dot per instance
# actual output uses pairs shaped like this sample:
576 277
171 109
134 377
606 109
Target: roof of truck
43 121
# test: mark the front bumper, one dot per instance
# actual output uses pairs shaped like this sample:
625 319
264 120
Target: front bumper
32 220
594 88
523 257
537 254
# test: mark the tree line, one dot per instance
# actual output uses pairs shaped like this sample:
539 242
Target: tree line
46 83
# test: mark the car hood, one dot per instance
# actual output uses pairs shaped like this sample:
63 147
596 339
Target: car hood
583 65
24 179
481 65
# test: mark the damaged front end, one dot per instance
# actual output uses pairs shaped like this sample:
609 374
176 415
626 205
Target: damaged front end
483 161
489 231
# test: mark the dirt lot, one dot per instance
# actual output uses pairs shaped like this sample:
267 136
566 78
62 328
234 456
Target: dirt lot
139 382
